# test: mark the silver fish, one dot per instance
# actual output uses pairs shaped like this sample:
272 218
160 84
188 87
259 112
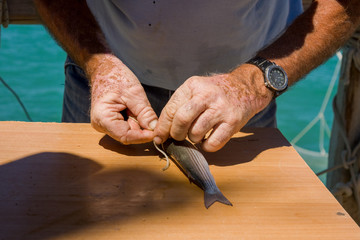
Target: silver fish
194 165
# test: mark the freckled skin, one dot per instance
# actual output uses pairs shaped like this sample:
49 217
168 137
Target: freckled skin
111 72
115 88
221 103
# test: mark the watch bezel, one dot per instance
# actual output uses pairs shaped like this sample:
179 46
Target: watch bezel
269 83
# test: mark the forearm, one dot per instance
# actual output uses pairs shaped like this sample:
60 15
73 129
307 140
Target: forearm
75 29
314 36
113 85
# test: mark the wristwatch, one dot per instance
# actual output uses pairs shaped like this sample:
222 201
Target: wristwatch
274 76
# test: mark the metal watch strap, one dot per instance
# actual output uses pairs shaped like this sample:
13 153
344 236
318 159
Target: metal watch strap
263 63
260 62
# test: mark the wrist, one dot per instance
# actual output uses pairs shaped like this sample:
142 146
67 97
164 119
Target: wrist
275 77
103 73
109 75
98 63
260 95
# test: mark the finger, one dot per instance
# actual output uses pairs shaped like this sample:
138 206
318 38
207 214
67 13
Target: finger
99 122
133 123
113 124
184 118
218 137
147 118
139 107
127 134
203 124
138 136
162 130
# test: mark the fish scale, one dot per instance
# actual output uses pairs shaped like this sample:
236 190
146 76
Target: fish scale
194 165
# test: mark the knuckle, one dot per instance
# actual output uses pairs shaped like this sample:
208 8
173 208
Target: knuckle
147 111
213 144
124 140
195 134
139 109
195 138
96 124
192 79
181 121
178 137
146 115
162 129
233 120
169 110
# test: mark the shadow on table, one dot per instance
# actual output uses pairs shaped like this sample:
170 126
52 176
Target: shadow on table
145 149
244 149
237 151
50 194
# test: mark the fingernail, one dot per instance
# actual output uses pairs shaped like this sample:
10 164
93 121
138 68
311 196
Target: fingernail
152 124
157 140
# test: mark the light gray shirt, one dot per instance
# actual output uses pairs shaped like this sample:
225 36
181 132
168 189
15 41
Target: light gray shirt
164 42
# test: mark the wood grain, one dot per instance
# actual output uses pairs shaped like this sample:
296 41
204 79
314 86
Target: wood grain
66 181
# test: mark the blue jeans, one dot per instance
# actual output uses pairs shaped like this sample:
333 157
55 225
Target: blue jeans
76 105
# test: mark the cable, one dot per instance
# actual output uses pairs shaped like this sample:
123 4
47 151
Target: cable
17 98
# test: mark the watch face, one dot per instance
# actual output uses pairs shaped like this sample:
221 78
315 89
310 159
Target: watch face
277 78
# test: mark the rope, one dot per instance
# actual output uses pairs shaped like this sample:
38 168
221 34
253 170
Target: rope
350 155
354 42
311 153
17 98
320 117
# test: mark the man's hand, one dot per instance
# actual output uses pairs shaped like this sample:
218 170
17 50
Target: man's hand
114 89
222 103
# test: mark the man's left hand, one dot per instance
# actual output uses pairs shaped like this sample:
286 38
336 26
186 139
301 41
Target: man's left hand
223 103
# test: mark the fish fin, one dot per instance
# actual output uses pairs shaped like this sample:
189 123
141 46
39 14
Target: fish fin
210 198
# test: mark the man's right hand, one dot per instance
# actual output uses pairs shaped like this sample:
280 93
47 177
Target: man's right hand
115 88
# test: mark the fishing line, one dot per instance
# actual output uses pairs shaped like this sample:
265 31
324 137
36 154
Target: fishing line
17 98
157 148
165 155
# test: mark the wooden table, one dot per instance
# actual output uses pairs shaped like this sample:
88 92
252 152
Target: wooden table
66 181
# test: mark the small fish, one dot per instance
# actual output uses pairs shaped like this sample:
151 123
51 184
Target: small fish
194 165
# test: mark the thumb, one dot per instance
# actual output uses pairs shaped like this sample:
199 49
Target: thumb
144 114
178 99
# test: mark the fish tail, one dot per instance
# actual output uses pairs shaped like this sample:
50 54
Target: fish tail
211 197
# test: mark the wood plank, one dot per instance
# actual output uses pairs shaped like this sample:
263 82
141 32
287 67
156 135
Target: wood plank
22 12
67 181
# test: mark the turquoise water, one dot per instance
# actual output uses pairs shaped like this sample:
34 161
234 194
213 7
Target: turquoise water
32 64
